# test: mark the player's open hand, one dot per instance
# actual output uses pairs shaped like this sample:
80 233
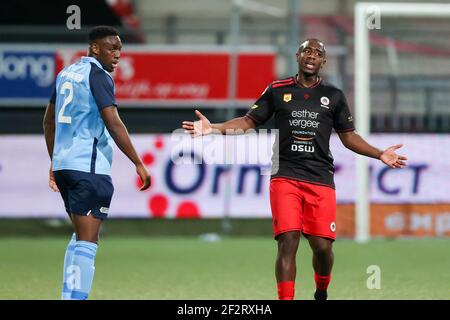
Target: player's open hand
392 159
51 181
145 177
197 128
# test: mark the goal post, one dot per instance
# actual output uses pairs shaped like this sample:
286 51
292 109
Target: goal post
362 13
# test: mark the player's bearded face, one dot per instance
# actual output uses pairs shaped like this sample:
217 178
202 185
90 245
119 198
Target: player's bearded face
107 51
311 57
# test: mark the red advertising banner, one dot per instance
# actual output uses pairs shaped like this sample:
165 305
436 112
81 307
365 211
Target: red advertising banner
146 77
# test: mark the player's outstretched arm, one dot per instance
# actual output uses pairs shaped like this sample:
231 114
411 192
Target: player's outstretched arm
49 133
203 127
120 135
354 142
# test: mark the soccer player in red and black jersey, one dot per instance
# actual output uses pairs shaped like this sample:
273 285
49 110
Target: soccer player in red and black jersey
302 194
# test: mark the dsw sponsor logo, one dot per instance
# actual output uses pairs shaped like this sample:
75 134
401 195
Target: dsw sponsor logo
302 148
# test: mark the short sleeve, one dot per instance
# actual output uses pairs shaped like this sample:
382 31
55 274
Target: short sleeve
343 119
102 88
263 108
53 95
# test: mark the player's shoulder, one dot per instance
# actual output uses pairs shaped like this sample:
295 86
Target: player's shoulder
96 70
99 74
72 71
331 87
282 82
67 73
62 72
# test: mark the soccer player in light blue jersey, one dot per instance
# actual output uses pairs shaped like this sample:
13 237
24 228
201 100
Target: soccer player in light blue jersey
79 122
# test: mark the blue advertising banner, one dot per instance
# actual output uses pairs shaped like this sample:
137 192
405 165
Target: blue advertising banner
26 74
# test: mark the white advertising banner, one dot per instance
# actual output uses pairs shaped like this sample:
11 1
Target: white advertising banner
217 175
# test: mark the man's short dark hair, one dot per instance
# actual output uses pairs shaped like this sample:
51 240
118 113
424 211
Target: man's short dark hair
101 32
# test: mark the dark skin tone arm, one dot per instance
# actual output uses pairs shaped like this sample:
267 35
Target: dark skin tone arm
119 133
203 127
353 141
49 133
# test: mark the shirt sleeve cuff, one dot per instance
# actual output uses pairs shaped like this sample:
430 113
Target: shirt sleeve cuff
252 118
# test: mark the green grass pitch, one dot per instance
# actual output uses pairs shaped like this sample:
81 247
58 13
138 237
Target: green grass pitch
234 268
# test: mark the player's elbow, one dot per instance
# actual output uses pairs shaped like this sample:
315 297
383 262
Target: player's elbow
115 127
346 143
347 139
349 144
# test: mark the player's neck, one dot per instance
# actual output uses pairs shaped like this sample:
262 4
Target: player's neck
307 80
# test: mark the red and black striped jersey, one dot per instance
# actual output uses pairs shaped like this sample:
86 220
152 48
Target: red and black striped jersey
305 118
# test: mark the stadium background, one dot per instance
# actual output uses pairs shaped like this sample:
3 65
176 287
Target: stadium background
200 227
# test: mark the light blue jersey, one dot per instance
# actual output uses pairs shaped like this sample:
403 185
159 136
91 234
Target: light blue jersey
82 142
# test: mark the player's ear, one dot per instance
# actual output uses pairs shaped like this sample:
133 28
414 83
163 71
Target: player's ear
95 49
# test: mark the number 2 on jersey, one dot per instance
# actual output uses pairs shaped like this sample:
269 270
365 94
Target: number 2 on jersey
61 117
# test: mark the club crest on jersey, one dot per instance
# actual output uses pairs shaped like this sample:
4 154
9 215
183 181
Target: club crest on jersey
255 106
324 102
333 226
287 97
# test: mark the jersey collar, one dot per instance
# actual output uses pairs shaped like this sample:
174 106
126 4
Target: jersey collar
93 60
313 86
